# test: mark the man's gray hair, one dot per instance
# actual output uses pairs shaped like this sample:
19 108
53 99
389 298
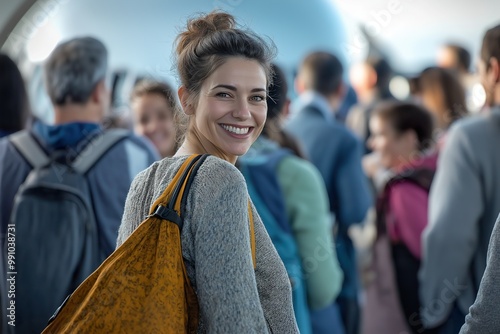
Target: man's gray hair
74 68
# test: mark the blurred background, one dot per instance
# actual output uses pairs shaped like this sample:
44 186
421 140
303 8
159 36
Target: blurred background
140 34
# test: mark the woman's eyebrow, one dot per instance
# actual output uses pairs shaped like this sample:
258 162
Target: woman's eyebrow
234 89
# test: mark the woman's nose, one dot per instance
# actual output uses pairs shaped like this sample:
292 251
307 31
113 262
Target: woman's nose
242 110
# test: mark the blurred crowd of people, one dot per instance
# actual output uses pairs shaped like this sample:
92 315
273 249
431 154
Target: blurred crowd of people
427 166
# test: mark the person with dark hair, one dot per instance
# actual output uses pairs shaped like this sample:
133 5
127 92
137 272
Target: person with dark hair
441 92
370 80
306 212
336 152
278 109
464 203
454 56
75 75
401 134
15 106
224 72
153 106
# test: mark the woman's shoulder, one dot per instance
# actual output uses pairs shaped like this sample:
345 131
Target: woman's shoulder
218 171
213 170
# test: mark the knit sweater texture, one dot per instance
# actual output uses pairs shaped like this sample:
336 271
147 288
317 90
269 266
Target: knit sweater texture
233 297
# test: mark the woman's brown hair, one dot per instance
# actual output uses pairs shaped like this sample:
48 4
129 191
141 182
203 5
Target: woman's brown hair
206 43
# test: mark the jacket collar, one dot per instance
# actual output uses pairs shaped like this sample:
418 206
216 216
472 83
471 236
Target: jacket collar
311 99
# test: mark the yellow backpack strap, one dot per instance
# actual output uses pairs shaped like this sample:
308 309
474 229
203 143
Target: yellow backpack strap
167 193
252 234
171 202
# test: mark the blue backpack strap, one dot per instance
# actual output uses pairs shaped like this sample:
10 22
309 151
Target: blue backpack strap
29 148
262 172
275 157
97 148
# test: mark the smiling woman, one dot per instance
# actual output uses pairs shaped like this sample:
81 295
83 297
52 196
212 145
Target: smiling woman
225 73
153 107
230 112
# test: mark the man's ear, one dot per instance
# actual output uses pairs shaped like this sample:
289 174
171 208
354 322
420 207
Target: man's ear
494 70
99 92
184 98
285 111
342 90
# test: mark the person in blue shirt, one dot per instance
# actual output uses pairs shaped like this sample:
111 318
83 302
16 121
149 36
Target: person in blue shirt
336 152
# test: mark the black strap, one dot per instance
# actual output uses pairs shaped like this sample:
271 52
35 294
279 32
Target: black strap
190 181
179 184
168 212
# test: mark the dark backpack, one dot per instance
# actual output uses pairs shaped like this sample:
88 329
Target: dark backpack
404 264
260 172
57 244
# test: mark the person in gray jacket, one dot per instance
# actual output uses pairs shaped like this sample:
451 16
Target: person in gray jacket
483 315
464 202
224 73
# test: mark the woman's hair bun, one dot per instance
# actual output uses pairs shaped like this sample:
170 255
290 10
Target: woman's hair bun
203 26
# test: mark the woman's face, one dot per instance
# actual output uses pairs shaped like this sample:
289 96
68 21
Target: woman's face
394 149
153 118
231 108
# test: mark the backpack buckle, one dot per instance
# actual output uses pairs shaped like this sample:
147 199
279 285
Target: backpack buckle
169 214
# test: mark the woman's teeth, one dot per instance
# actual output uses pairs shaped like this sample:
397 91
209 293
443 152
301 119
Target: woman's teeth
238 131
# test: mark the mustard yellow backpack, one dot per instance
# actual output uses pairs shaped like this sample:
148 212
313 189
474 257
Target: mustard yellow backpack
143 286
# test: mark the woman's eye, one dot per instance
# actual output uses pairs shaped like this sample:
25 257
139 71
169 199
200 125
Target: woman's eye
224 95
258 98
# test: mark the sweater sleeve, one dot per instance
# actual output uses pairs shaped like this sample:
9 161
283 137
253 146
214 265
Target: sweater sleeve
483 315
408 207
451 237
225 279
307 207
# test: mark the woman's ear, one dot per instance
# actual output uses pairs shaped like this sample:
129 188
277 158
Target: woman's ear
186 104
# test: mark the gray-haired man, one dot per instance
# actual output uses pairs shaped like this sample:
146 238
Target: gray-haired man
75 80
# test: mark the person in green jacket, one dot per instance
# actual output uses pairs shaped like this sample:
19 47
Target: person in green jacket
307 209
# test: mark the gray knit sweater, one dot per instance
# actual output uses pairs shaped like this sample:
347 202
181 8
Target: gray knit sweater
233 298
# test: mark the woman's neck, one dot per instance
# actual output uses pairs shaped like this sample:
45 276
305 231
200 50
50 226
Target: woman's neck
195 143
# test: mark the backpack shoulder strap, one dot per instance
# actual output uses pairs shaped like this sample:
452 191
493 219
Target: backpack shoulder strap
97 148
277 156
421 177
29 148
172 201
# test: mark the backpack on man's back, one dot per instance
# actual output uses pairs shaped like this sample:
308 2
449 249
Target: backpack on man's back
57 240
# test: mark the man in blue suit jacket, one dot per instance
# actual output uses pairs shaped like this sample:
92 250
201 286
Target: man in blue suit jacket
337 153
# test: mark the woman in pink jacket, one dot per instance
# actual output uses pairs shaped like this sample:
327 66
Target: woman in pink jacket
401 137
